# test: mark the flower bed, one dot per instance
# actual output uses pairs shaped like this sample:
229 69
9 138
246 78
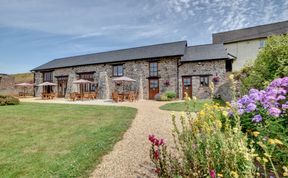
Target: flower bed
248 138
264 117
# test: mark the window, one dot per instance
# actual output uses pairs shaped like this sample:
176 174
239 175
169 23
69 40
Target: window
153 69
261 44
118 70
153 83
88 87
47 76
204 81
228 65
187 81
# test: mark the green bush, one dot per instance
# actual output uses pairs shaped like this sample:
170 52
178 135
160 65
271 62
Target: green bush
170 95
167 96
271 63
8 100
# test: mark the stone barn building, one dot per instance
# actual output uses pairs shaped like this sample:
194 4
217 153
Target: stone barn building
156 69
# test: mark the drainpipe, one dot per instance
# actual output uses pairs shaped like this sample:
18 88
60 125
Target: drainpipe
178 65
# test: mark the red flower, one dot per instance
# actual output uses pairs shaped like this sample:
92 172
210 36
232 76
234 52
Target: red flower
156 141
157 170
156 154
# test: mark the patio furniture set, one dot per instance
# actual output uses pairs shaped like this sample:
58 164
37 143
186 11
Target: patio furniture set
126 96
74 96
80 96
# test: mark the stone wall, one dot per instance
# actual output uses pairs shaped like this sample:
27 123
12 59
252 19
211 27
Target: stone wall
8 82
196 69
7 85
138 70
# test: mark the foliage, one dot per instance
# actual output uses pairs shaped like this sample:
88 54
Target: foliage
167 96
170 95
203 147
8 100
23 77
264 117
197 106
271 63
58 140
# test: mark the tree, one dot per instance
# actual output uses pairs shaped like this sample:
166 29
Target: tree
271 63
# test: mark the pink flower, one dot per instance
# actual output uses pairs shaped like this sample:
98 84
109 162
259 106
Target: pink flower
213 173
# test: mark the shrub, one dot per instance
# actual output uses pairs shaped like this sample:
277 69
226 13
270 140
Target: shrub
170 95
271 63
203 147
163 97
264 117
8 100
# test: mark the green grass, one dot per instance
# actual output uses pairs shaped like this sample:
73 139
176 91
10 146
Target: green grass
181 106
57 140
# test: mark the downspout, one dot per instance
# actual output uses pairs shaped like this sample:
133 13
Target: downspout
178 77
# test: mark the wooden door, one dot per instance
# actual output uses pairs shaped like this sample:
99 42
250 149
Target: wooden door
62 87
187 86
153 88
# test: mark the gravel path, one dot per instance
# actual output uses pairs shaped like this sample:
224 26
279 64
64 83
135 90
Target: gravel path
130 156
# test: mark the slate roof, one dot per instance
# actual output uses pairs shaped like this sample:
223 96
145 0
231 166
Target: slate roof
144 52
256 32
205 52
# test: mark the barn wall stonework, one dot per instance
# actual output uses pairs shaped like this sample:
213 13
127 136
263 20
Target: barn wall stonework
138 70
196 69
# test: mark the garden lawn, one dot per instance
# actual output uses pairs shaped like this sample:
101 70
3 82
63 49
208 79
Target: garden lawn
58 140
181 106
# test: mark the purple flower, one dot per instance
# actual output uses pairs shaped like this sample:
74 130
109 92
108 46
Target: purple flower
284 106
251 107
281 97
255 94
241 111
274 112
257 118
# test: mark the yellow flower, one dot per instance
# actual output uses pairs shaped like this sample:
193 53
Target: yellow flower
194 98
285 174
265 160
231 77
255 133
235 129
220 175
271 141
278 142
234 174
225 113
258 159
202 113
228 104
267 155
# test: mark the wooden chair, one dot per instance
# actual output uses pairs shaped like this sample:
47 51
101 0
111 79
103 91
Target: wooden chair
131 96
52 96
116 97
86 95
72 96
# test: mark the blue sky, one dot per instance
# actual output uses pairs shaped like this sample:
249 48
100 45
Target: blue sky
33 32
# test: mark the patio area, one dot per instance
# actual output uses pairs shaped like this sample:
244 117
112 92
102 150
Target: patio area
67 101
